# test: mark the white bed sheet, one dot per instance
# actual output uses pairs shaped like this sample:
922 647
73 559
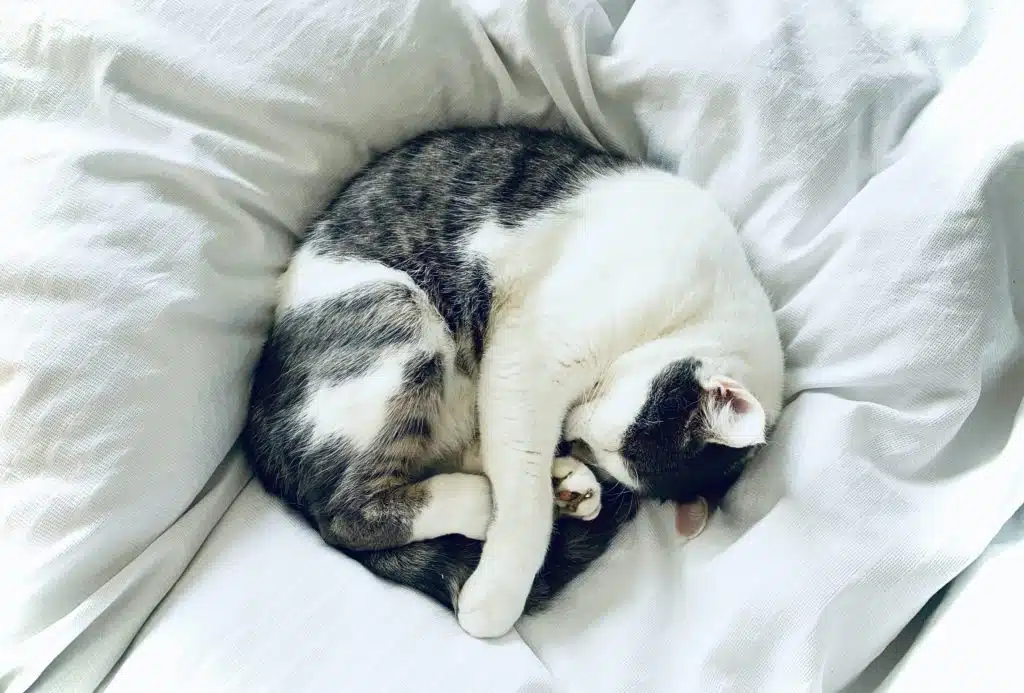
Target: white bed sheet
873 157
903 393
969 642
265 608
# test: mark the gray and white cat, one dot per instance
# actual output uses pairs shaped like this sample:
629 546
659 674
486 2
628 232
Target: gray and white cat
472 300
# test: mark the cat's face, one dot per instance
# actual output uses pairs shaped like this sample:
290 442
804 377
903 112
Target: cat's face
672 432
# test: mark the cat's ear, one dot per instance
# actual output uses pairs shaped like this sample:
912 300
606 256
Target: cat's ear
732 414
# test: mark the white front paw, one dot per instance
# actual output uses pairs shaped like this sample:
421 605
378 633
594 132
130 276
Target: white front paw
577 490
474 514
488 608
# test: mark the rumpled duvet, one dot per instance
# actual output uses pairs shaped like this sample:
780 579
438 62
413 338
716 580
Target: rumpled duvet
160 157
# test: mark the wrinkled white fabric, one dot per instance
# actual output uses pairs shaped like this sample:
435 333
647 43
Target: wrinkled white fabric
160 156
968 643
157 159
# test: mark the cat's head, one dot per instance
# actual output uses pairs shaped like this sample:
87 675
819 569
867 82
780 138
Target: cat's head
671 431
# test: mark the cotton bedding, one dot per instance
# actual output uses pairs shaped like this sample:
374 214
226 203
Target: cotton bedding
159 159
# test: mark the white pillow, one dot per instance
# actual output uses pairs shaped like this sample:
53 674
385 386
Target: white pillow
157 160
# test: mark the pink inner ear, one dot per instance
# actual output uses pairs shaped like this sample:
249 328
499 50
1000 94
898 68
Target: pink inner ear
733 416
730 393
727 396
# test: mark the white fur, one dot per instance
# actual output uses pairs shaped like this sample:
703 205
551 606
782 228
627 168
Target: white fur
459 504
312 278
638 268
356 408
603 422
572 475
736 419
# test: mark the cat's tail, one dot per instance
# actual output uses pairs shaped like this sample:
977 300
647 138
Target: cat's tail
440 567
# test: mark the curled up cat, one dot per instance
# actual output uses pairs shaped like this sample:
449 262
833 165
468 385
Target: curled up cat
474 301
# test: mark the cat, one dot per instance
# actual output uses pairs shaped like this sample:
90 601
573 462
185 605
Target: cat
491 327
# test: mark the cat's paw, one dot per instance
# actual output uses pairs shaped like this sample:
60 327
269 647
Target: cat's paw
488 608
577 490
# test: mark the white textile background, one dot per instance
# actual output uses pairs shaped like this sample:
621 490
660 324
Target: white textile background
160 155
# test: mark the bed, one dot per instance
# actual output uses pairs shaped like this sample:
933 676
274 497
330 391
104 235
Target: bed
161 157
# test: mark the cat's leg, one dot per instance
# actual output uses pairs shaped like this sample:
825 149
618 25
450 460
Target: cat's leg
385 518
577 490
456 504
525 390
429 414
378 429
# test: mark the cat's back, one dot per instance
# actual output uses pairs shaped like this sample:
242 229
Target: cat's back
428 194
416 209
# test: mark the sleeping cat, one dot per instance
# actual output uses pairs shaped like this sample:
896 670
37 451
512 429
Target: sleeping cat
474 297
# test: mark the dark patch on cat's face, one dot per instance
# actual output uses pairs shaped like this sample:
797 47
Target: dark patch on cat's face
666 448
